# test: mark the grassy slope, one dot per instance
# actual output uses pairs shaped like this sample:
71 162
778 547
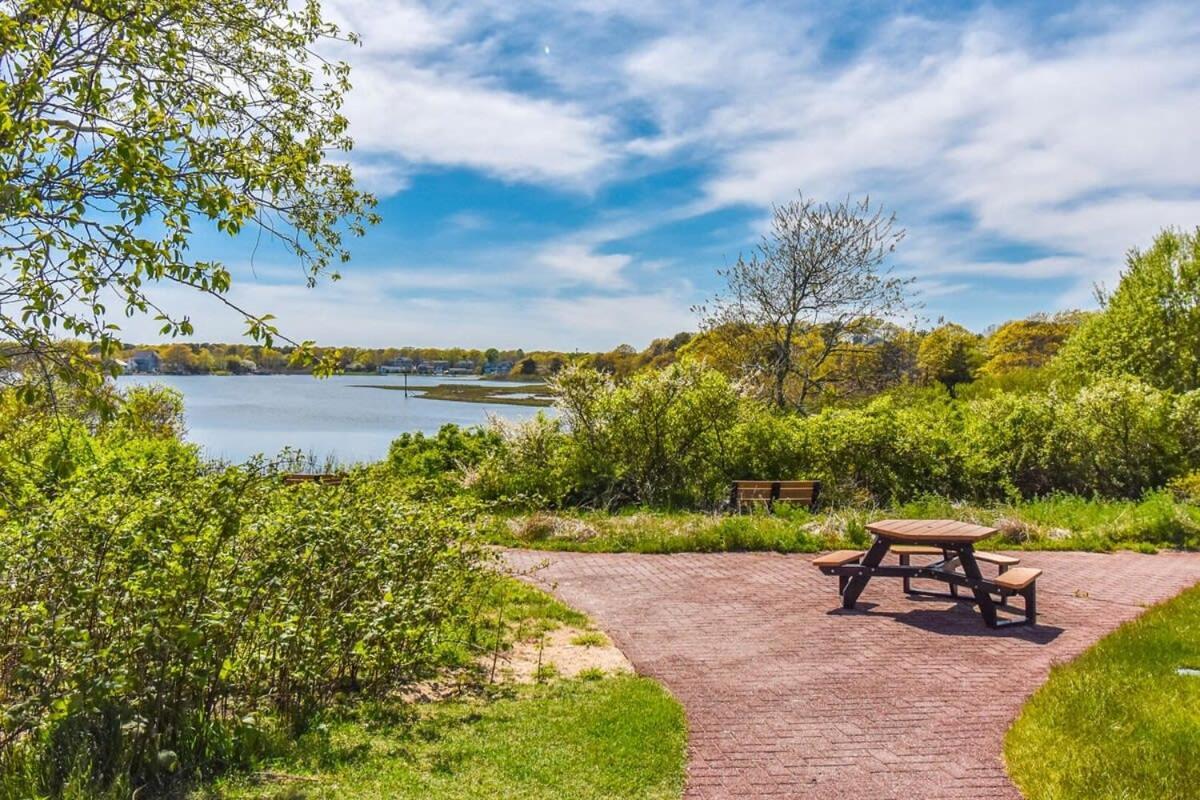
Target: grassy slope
1118 722
620 737
1056 523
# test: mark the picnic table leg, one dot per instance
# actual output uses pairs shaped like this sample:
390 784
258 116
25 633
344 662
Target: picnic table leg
871 560
970 567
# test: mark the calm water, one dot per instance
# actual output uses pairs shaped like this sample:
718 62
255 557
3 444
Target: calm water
235 417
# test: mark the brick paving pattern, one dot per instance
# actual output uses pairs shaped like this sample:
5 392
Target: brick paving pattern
789 696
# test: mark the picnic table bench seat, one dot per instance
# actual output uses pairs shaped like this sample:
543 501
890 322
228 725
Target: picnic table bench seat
1019 578
1001 560
838 558
907 551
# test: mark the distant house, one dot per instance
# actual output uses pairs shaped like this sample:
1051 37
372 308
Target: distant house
401 364
143 361
498 368
464 367
433 367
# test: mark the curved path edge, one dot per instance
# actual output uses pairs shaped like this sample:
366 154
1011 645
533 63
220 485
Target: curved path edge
788 696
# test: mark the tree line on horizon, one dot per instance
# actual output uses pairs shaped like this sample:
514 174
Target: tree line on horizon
883 354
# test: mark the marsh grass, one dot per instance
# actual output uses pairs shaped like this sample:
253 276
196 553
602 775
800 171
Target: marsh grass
520 395
1060 522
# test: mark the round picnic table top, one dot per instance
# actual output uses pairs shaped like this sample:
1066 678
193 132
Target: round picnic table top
934 531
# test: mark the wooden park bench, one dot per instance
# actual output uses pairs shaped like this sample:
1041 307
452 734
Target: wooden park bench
748 494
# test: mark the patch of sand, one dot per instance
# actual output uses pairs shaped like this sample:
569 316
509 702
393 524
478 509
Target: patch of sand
558 655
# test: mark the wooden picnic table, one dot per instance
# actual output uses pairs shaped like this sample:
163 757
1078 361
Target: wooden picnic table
957 542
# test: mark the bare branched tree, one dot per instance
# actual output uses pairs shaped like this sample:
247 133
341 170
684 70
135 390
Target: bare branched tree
801 296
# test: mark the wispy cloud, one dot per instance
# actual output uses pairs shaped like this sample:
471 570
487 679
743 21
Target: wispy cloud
356 311
1024 148
1080 147
577 263
427 117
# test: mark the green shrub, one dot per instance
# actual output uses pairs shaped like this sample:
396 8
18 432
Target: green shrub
1014 444
1185 422
531 469
886 450
661 438
1186 487
452 450
150 411
677 437
1121 437
160 616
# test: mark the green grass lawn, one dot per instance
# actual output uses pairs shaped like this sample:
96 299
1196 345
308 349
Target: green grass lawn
603 736
1060 522
603 739
1119 722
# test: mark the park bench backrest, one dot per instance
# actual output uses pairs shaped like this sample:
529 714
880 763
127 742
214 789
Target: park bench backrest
751 493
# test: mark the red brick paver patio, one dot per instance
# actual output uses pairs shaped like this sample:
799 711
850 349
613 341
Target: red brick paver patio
788 696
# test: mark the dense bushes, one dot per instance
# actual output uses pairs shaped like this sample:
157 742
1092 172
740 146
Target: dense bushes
661 438
159 615
452 448
676 438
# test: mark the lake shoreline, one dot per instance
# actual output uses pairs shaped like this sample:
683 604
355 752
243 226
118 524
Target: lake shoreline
234 420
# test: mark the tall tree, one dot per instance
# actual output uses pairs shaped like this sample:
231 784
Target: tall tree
125 126
1150 325
812 279
1028 343
950 355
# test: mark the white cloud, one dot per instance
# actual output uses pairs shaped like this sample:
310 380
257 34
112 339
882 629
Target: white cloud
423 116
467 221
1014 150
395 27
381 177
1081 149
356 311
574 263
427 92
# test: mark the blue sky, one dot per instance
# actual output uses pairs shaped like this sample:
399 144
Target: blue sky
571 175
